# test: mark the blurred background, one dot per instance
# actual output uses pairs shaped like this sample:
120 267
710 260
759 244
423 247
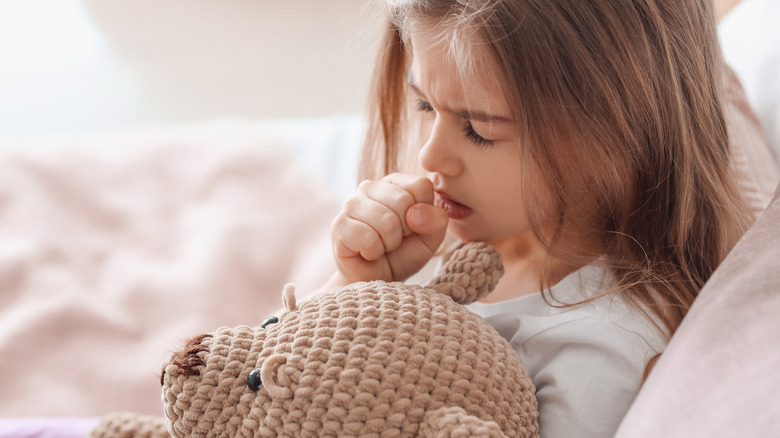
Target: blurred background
70 66
166 166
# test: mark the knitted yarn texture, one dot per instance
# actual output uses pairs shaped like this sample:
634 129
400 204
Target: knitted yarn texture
367 359
130 425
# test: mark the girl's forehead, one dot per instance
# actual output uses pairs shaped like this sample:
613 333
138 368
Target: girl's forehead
441 66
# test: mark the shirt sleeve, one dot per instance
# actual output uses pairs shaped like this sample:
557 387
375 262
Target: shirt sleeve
587 372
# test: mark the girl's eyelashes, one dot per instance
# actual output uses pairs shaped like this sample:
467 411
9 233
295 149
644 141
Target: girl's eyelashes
475 138
424 106
468 130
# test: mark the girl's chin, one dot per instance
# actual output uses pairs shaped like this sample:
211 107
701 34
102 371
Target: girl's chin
471 233
465 233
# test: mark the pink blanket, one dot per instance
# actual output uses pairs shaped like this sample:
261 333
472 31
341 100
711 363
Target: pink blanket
116 247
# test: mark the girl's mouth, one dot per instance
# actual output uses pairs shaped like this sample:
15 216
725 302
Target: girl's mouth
454 209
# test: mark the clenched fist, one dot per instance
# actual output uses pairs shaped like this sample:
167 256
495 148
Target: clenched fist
388 230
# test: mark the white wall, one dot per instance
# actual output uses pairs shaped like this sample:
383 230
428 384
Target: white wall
80 65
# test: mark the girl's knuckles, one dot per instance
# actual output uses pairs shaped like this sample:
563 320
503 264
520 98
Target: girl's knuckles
351 205
363 186
424 184
340 226
404 200
423 188
388 224
371 240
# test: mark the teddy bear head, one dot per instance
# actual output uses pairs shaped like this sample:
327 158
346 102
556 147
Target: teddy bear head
368 358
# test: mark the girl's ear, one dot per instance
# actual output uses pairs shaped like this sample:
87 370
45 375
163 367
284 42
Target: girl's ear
470 274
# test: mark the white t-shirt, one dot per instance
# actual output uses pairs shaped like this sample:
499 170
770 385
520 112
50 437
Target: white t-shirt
586 361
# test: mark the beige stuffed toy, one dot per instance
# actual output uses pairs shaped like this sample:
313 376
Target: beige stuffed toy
367 359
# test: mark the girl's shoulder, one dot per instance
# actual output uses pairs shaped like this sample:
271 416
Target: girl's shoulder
574 310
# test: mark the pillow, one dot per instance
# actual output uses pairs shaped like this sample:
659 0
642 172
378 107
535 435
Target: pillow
718 376
753 162
750 38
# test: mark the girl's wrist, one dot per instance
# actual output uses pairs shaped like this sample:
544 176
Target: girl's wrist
335 280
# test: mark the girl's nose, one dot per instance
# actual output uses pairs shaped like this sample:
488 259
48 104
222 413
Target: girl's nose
440 153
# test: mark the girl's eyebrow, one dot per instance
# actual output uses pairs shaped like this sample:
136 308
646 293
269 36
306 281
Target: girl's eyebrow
473 115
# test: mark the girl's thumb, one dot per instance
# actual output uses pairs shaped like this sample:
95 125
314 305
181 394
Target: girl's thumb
428 221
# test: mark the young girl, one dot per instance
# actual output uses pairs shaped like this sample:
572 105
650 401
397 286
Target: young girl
586 141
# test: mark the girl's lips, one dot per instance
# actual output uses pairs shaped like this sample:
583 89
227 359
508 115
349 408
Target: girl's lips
454 209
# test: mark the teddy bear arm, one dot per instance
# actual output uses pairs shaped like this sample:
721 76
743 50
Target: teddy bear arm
451 422
129 425
472 272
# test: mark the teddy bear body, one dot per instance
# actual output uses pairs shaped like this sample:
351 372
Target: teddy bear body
370 359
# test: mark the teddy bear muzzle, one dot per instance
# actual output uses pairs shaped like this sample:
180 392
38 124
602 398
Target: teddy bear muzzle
276 380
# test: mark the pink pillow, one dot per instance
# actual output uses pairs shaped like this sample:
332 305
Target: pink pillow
719 375
754 164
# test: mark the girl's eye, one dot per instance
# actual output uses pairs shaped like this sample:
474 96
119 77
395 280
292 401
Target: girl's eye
469 131
424 106
475 138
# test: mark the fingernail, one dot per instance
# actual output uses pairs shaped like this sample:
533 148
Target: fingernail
419 217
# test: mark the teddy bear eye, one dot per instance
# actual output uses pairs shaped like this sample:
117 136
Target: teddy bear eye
254 382
269 321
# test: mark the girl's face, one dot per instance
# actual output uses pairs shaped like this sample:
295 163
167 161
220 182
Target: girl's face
471 149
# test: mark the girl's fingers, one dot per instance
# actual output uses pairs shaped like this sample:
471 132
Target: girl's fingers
419 187
388 230
383 220
415 252
393 197
430 226
356 238
398 192
429 223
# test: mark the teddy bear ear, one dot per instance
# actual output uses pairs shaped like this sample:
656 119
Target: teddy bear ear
288 297
471 273
454 421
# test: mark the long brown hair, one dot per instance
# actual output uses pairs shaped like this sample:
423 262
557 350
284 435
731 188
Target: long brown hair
617 103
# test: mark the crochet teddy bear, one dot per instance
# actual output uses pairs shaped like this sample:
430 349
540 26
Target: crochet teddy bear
368 359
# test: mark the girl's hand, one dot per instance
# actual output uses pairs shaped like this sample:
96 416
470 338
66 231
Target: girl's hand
388 231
